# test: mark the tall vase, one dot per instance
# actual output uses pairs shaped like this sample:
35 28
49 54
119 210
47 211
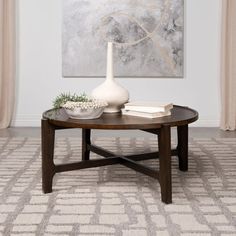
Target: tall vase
110 91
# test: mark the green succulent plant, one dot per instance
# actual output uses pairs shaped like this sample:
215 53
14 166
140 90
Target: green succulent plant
62 98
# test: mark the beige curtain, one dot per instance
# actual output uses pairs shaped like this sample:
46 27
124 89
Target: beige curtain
228 66
7 61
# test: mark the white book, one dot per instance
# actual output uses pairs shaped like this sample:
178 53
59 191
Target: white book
146 114
148 106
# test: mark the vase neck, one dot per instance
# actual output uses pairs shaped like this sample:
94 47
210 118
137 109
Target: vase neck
109 74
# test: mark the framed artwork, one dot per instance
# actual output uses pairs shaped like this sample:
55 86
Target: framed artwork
147 37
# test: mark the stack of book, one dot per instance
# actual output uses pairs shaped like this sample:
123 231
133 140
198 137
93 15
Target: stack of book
147 109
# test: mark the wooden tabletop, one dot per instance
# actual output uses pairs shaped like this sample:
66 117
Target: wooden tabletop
179 116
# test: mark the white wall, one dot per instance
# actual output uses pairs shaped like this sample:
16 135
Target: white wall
39 77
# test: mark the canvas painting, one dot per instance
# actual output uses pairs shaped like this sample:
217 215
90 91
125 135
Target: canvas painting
147 37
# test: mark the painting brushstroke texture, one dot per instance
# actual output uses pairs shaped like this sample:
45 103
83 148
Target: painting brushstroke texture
147 36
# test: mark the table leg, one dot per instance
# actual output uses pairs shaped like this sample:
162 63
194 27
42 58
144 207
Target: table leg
164 143
182 147
86 133
48 167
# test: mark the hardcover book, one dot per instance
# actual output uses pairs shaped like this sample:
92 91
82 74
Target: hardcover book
151 115
148 106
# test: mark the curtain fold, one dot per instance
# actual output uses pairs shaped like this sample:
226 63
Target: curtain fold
228 66
7 61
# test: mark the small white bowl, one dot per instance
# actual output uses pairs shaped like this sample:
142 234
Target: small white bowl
88 113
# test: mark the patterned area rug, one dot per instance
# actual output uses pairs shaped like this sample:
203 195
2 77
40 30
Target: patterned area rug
115 200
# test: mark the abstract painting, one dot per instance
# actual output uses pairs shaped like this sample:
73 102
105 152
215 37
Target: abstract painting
147 37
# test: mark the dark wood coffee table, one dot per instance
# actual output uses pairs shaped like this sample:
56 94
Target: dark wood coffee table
57 119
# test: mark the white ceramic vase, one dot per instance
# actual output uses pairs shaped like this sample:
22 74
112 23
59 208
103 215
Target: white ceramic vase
110 91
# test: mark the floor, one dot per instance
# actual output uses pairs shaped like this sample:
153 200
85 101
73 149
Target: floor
114 200
194 132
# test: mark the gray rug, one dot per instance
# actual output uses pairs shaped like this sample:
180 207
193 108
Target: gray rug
115 200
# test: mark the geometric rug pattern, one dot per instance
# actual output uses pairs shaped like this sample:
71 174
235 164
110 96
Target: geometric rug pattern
115 200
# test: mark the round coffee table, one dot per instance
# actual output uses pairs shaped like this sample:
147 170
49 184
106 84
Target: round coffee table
180 117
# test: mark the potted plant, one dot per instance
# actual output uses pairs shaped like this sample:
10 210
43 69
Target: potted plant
80 106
